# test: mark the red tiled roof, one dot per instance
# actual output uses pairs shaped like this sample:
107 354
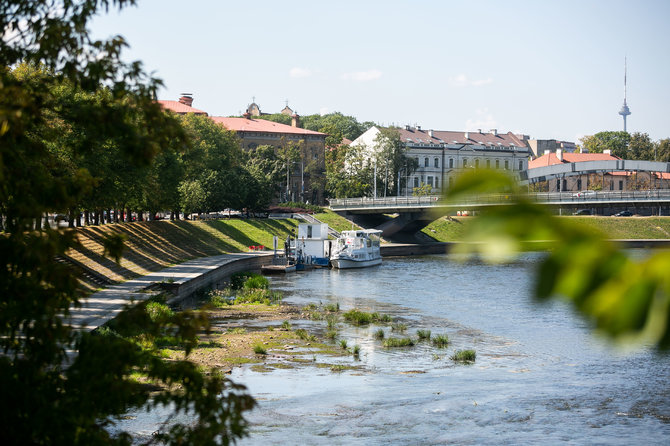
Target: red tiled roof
415 136
261 125
550 159
179 108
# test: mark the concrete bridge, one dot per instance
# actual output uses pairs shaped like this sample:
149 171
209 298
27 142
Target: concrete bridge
540 174
414 213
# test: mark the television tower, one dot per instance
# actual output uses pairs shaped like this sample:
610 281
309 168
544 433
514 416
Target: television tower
625 111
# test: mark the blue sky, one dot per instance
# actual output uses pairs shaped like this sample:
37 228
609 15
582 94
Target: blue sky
549 69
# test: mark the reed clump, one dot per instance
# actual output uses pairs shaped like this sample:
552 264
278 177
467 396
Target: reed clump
423 335
441 340
465 356
398 342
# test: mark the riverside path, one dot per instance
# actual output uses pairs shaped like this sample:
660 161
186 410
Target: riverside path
184 279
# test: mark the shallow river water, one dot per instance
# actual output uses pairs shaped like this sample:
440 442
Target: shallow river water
541 376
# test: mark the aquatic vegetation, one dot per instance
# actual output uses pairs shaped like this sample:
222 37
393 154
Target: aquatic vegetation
441 340
310 307
343 344
236 330
357 317
398 342
315 316
338 368
332 308
332 322
356 351
467 356
256 282
302 334
379 334
260 350
400 328
423 334
286 325
331 334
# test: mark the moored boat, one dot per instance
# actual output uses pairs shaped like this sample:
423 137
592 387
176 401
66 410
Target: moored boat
356 249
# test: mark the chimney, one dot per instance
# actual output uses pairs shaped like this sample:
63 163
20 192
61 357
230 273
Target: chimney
547 152
467 135
407 127
247 115
607 152
494 132
479 131
430 132
418 127
295 120
186 99
559 154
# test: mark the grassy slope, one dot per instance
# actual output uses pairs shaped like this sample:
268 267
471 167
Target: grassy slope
151 246
615 228
335 221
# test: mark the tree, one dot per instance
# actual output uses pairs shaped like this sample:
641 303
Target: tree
615 142
61 386
663 150
640 147
391 157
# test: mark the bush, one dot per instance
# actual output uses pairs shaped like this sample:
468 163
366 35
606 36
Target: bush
441 341
260 350
423 334
159 312
398 342
256 282
464 356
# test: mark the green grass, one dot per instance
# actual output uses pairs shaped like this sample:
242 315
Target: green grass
286 325
331 335
357 317
447 229
400 328
343 344
423 334
335 221
468 356
332 308
441 341
398 342
302 334
356 351
260 350
379 334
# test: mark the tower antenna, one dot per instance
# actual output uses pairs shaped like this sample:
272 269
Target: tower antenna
625 111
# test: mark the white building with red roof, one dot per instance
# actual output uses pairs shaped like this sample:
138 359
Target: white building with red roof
441 154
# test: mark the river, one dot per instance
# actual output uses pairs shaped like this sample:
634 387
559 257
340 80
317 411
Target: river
541 376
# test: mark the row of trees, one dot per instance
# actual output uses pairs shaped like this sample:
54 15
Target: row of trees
636 146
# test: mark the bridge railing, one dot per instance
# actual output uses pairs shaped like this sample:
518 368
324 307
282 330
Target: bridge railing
541 197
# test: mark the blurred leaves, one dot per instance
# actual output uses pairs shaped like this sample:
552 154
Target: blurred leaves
627 299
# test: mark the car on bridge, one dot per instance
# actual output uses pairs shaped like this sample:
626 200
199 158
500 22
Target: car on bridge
623 214
584 194
582 212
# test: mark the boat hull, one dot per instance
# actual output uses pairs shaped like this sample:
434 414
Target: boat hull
349 263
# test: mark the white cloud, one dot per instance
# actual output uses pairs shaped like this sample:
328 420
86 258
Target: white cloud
483 120
462 81
362 76
298 73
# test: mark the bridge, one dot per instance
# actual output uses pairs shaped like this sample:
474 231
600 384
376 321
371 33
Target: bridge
540 174
414 213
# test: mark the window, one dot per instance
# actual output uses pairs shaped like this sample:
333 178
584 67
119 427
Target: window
416 181
436 162
558 185
425 162
579 184
488 164
451 163
506 164
477 163
565 184
497 164
429 181
465 162
437 183
620 184
520 164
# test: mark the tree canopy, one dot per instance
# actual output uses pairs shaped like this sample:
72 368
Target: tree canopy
79 127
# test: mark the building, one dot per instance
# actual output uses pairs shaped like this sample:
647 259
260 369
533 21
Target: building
307 176
597 179
440 155
182 106
539 147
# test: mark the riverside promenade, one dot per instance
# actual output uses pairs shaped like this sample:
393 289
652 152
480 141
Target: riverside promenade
181 280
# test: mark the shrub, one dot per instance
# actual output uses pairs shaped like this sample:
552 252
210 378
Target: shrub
464 356
423 334
398 342
159 312
441 340
256 282
260 350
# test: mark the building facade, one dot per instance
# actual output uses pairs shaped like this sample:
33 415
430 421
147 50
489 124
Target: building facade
441 155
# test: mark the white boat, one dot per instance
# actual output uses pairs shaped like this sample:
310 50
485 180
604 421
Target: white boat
356 249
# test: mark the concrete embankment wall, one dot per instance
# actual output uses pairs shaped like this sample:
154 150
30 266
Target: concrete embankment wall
218 277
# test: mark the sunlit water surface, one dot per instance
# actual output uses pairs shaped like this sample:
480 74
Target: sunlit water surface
540 377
